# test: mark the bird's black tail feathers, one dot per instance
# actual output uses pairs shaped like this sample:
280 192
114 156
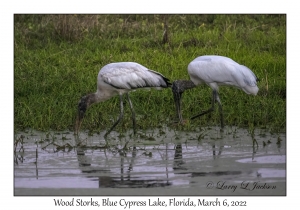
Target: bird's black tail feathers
169 84
167 81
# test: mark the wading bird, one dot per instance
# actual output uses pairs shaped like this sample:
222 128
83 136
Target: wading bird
118 79
214 71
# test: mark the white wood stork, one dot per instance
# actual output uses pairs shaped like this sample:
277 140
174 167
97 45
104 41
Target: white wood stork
214 71
118 79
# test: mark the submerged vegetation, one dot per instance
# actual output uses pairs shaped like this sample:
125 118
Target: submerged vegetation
57 59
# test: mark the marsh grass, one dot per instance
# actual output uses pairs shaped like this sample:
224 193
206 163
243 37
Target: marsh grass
57 59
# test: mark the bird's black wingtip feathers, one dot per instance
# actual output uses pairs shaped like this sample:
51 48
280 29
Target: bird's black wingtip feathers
166 80
169 84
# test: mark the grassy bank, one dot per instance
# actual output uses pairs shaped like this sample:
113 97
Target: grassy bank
57 59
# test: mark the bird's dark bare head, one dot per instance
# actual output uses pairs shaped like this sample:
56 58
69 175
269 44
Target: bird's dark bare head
83 105
176 87
179 86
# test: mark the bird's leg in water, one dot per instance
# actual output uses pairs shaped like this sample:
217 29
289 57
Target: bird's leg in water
133 114
215 97
212 108
220 109
120 117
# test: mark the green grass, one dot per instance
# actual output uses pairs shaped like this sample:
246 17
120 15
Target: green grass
57 59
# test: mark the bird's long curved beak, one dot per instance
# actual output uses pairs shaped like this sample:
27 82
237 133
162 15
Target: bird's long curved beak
78 121
177 100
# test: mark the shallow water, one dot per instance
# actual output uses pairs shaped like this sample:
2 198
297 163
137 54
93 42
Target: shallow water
155 162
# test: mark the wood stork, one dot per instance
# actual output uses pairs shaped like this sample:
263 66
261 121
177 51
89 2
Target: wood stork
214 71
118 79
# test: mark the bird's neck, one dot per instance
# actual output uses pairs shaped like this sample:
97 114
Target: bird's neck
99 96
188 84
181 85
91 99
104 94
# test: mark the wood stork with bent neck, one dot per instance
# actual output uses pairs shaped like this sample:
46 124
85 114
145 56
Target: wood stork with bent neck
214 71
119 79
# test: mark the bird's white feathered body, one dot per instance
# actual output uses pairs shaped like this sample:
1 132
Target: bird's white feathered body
123 77
118 79
216 71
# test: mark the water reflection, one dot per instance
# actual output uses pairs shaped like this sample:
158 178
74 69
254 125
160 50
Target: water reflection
167 162
123 179
179 164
